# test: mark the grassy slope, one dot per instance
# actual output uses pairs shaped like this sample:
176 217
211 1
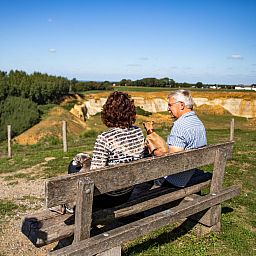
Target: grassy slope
238 234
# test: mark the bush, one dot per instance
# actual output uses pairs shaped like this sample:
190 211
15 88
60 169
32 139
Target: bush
69 105
142 112
44 109
89 134
18 112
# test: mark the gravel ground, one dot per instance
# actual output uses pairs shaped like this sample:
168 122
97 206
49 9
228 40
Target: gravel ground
29 195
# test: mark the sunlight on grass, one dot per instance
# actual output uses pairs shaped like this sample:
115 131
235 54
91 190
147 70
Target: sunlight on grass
238 234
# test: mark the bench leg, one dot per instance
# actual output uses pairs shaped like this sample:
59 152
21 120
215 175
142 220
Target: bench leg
207 222
116 251
211 218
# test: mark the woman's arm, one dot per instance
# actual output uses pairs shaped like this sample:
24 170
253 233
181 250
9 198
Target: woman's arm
100 154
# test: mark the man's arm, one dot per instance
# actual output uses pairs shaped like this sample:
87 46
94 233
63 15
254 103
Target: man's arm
174 149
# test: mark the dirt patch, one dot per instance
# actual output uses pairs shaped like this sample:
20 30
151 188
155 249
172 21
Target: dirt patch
52 126
212 110
29 196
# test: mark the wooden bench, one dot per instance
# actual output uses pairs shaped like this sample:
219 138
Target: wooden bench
103 231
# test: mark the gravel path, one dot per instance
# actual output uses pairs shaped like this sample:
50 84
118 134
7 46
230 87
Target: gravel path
29 195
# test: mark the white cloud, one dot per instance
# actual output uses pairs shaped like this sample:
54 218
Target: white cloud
236 57
52 50
143 58
133 65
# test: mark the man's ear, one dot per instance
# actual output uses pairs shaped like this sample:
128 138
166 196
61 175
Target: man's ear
182 105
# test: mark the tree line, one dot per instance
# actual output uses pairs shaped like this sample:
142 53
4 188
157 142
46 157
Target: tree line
21 96
169 82
37 87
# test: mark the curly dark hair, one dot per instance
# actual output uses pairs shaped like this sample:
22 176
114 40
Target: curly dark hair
118 111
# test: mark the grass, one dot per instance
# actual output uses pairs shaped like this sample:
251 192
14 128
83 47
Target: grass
160 89
238 234
140 89
7 208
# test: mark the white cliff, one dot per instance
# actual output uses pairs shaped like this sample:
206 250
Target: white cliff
236 106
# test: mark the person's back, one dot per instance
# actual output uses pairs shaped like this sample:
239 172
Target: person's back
118 145
121 143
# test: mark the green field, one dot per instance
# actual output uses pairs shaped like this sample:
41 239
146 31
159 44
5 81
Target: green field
160 89
238 236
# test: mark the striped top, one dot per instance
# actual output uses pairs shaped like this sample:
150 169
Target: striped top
118 145
115 146
188 132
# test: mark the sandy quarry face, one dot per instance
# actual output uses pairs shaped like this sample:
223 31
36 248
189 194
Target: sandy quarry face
52 126
237 103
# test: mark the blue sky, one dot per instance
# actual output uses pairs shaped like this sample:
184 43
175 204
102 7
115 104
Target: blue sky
212 41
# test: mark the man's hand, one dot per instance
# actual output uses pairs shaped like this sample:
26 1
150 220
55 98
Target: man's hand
152 149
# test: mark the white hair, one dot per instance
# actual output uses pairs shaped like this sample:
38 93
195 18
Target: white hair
182 96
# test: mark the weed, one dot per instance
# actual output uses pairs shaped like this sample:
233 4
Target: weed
7 208
13 183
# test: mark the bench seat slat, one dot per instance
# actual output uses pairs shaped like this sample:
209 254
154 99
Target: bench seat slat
48 230
133 230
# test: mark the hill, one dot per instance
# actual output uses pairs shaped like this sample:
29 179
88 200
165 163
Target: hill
52 126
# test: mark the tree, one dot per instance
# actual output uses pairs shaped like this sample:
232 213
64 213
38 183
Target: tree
20 113
199 85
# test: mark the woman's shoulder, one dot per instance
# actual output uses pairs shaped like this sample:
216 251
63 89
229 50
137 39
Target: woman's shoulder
109 132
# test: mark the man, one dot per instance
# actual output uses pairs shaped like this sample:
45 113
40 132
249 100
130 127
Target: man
188 132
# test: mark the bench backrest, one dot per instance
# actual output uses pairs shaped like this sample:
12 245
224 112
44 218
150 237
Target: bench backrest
63 189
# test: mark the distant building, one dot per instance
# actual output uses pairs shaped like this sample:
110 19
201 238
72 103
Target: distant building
246 87
253 87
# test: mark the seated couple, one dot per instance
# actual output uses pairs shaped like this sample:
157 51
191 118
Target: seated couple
123 142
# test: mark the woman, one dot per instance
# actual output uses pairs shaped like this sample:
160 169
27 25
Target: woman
121 143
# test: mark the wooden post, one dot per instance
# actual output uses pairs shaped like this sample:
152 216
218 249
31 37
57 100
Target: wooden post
209 220
64 136
84 201
9 136
116 251
232 128
214 213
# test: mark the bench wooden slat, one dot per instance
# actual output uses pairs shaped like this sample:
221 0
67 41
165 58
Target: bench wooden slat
115 237
83 209
63 189
45 231
213 215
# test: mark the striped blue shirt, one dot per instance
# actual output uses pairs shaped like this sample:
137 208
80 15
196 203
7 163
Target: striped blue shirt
188 132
